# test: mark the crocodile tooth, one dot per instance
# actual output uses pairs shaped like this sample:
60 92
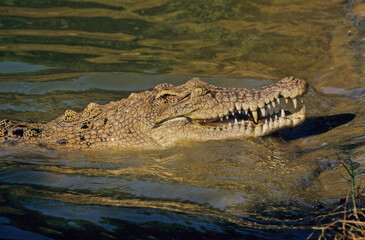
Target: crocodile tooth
265 121
276 117
270 120
278 100
239 111
254 115
242 128
282 122
227 117
235 121
221 119
230 125
265 127
273 104
282 113
233 114
301 100
270 124
249 129
258 130
246 112
286 100
263 112
270 109
243 122
295 103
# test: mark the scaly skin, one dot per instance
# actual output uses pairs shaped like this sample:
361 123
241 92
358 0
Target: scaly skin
194 111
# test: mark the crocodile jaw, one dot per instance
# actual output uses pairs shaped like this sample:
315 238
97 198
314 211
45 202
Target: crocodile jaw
186 129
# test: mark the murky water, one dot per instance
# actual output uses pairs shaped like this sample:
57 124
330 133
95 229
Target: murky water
58 55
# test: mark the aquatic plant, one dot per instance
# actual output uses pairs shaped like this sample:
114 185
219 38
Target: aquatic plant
347 221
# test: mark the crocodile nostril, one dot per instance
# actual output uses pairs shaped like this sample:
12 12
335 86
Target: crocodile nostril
18 132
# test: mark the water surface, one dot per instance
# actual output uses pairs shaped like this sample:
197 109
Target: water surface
59 55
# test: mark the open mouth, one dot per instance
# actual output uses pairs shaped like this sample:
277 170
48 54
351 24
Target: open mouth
278 113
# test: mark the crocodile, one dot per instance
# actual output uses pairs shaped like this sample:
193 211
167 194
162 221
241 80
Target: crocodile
167 114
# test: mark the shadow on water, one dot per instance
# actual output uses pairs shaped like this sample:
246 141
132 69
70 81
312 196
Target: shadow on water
316 125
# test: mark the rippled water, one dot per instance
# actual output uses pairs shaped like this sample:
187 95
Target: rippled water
59 55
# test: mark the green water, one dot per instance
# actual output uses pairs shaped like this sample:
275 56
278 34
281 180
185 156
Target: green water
59 55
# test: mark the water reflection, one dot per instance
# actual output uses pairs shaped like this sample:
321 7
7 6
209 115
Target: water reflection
207 182
118 82
14 67
227 39
207 173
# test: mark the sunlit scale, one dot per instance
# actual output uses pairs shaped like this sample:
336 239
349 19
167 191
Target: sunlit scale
259 121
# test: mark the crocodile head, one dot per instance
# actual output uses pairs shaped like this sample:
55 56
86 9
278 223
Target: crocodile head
200 112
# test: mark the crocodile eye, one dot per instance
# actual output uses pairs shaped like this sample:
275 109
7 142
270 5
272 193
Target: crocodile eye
198 91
